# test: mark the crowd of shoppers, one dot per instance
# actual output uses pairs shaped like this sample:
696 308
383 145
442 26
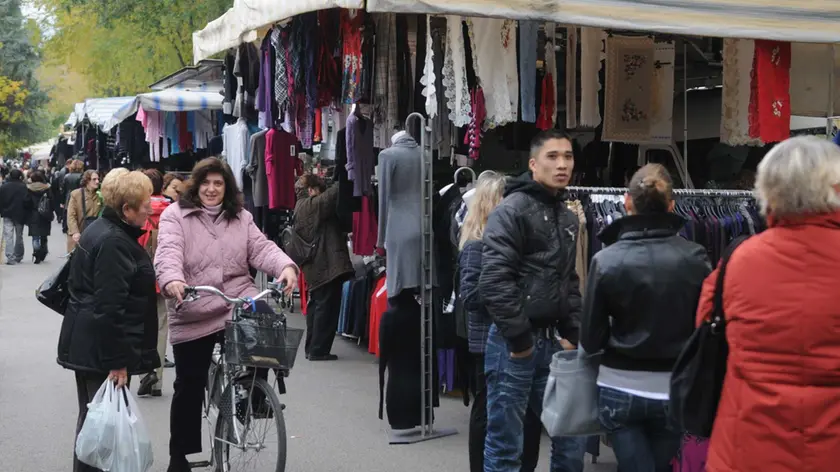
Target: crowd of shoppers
151 235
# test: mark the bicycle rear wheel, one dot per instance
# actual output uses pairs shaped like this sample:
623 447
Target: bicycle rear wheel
258 412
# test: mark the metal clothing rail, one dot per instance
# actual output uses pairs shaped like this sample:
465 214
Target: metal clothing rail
679 192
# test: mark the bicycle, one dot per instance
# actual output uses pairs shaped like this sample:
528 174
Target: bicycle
238 393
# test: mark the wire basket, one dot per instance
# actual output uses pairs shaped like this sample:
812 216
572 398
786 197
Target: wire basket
263 340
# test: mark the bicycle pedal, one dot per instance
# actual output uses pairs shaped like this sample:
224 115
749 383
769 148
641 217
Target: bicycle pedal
200 465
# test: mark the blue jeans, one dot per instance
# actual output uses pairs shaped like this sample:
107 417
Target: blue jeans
641 436
513 386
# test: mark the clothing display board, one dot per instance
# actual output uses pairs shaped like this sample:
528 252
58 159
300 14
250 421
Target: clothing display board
810 79
630 76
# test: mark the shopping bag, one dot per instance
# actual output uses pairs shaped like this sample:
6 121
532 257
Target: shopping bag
133 452
570 403
97 439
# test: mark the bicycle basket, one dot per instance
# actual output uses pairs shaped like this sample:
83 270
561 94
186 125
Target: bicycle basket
262 341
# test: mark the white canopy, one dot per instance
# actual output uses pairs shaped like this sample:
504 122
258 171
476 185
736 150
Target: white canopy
239 24
784 20
173 99
71 120
100 110
41 151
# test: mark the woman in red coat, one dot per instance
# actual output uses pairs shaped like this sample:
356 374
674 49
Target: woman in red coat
780 406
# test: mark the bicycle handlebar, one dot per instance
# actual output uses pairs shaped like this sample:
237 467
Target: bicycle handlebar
192 293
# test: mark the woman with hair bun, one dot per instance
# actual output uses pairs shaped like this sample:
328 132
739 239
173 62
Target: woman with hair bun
641 297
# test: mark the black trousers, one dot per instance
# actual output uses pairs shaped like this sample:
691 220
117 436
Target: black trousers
192 361
322 315
87 384
478 426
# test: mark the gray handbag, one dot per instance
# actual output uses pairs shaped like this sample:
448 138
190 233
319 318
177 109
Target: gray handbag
570 404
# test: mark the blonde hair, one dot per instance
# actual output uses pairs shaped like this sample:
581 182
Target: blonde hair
799 175
488 194
76 167
109 182
126 188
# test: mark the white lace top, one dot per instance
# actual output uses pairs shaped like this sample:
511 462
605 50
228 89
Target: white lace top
455 73
494 56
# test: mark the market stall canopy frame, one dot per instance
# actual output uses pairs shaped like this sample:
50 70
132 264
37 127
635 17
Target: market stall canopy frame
814 21
239 24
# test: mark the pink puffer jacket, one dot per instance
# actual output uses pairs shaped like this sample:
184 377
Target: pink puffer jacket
195 250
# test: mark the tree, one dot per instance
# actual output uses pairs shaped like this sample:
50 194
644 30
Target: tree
22 117
121 46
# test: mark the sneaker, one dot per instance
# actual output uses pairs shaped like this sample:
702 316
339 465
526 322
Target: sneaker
167 364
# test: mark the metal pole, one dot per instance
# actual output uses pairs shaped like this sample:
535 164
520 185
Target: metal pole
829 125
685 106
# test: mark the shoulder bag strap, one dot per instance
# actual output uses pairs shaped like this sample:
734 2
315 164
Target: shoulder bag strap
84 210
718 316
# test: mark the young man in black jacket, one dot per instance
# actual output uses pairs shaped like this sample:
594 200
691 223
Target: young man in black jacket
14 208
530 288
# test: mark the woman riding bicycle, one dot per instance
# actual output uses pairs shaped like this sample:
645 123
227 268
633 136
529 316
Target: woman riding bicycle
207 238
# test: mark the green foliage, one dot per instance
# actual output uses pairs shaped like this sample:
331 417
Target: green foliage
23 119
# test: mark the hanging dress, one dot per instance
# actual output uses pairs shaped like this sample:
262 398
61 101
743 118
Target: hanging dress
351 30
494 51
457 91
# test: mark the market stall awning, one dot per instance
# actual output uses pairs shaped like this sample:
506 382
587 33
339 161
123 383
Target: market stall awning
240 22
166 100
784 20
71 120
100 110
40 151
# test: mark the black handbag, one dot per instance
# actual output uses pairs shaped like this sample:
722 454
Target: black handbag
298 249
697 378
54 292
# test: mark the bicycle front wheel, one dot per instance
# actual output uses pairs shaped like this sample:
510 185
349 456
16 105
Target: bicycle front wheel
253 437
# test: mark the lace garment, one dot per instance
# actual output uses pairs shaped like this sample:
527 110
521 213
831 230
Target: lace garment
455 74
738 55
428 79
494 50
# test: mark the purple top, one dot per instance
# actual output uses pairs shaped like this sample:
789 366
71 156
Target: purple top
265 96
360 159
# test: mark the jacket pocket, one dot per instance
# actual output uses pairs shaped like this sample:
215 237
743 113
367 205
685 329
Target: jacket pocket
542 297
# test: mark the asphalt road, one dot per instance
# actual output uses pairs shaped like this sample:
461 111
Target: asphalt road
331 413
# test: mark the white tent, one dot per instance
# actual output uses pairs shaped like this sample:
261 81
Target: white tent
239 24
40 151
173 99
784 20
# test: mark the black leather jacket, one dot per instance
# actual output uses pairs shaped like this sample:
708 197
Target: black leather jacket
111 318
528 278
642 293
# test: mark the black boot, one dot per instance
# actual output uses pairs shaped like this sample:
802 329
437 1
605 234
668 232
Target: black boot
178 464
146 384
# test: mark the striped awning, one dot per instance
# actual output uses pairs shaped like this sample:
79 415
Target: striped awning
173 99
814 21
100 110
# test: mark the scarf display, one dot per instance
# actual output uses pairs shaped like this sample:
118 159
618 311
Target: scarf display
629 96
528 34
548 105
591 54
770 88
428 78
571 77
455 73
385 101
738 57
494 51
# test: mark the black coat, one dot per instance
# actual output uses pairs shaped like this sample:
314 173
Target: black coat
14 201
642 293
39 225
68 184
111 319
528 278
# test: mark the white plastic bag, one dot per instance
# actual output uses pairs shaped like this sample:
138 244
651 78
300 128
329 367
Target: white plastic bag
98 437
133 451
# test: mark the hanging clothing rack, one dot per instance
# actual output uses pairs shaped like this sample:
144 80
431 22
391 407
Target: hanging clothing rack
677 192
